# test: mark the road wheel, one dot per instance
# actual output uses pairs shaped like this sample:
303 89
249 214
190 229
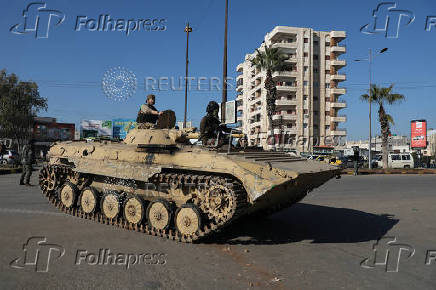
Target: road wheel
88 200
159 214
133 210
110 205
188 219
68 194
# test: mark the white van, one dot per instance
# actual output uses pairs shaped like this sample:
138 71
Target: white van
396 160
401 160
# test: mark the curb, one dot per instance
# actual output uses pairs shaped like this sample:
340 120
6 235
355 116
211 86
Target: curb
390 171
9 170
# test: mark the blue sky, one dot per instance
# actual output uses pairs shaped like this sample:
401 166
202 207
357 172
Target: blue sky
69 65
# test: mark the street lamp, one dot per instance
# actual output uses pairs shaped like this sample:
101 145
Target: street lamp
370 59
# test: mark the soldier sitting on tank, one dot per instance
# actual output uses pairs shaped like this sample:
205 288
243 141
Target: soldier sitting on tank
210 126
148 114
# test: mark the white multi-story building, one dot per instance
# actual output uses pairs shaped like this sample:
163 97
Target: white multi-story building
308 91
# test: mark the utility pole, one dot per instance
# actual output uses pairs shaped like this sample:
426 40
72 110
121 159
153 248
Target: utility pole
370 115
224 90
188 29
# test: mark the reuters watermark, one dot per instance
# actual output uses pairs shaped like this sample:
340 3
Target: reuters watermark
201 83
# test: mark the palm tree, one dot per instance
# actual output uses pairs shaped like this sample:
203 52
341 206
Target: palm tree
382 97
269 60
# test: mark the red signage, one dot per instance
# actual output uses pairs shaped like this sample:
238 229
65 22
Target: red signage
419 134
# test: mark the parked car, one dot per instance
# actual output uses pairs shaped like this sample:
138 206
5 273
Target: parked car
348 162
396 160
11 157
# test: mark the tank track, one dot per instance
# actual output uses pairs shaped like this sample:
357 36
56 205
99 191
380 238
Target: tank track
63 173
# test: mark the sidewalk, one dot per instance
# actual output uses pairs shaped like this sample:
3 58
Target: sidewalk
366 171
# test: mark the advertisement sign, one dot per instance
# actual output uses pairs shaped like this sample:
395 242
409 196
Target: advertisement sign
121 127
230 112
418 134
95 128
46 132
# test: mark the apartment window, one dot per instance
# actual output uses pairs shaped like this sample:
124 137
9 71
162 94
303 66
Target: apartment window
327 127
315 126
306 54
305 69
327 85
306 40
315 42
305 83
305 97
315 57
315 98
315 70
304 125
315 84
305 111
327 57
315 113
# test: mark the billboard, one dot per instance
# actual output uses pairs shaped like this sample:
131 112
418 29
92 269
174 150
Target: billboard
230 112
418 136
120 127
95 128
46 132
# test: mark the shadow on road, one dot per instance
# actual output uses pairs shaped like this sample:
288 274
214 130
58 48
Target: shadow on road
321 224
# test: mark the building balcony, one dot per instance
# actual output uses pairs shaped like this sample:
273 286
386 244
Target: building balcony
338 62
338 105
338 49
292 59
338 91
339 132
239 77
240 67
284 103
284 117
338 77
286 88
341 118
284 74
338 34
285 45
284 131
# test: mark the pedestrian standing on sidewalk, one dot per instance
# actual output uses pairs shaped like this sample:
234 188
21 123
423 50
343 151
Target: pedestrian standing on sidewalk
27 159
356 158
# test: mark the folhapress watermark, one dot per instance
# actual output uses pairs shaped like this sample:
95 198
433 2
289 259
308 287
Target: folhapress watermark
38 255
105 23
38 19
387 253
387 19
105 257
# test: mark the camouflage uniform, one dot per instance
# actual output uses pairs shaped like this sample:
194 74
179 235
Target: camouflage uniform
27 159
210 126
145 118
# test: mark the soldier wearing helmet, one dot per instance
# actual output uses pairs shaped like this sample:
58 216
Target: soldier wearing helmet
210 125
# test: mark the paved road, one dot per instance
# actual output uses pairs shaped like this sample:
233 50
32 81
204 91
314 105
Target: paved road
316 244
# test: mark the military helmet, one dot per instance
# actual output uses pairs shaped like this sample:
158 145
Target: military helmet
212 106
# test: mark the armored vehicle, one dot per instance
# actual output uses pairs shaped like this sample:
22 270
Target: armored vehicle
156 182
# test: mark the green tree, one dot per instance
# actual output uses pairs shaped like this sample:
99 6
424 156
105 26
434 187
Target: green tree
19 103
382 97
269 60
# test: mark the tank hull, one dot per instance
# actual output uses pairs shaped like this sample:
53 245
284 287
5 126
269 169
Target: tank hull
195 190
